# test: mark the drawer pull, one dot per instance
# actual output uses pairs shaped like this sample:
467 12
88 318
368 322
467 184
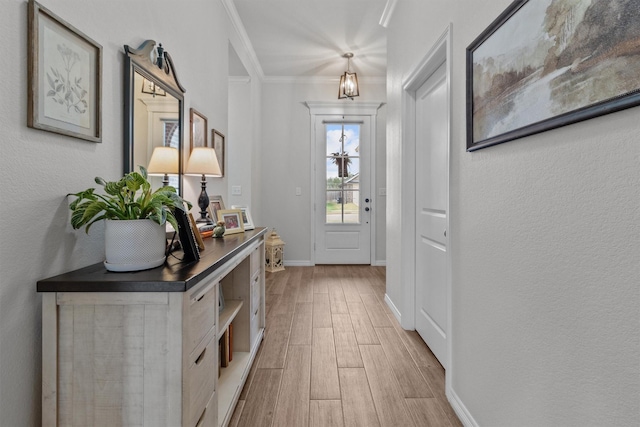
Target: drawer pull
201 357
201 419
204 291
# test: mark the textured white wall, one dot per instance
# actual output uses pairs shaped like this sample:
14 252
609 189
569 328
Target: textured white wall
545 240
240 130
37 168
286 159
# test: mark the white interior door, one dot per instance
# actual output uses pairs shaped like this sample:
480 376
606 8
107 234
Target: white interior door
432 170
342 179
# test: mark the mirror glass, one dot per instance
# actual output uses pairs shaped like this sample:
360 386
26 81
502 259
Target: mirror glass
153 113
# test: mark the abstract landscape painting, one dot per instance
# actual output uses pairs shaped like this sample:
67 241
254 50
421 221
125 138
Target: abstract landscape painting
547 63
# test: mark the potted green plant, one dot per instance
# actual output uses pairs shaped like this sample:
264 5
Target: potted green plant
135 237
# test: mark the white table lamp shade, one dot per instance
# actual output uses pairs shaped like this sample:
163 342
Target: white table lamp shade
164 160
203 161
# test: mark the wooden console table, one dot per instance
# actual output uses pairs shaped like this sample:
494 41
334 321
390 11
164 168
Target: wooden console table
141 348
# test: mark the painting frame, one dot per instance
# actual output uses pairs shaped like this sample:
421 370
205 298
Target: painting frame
218 144
247 221
55 103
215 204
232 220
197 129
584 69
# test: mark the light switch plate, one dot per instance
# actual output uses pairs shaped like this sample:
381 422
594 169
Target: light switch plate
236 190
382 191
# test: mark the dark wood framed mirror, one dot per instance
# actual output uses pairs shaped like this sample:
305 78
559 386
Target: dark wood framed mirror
153 114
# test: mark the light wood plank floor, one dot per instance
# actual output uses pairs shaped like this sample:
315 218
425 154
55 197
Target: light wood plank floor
334 355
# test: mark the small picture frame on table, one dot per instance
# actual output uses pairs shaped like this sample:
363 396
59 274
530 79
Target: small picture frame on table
247 221
232 221
215 204
186 235
196 232
64 77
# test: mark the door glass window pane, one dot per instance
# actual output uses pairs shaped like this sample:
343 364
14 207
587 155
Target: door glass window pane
342 173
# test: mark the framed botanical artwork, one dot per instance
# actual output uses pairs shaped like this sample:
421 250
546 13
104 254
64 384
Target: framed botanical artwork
64 78
215 204
232 221
543 64
217 139
247 221
198 129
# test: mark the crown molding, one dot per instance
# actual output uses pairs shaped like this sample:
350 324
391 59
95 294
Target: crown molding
232 13
239 79
387 13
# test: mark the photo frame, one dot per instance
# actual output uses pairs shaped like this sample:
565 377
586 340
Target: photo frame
232 221
186 235
215 204
247 221
218 142
561 68
196 232
197 129
64 77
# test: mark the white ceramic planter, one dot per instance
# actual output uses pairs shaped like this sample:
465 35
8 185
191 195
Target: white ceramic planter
132 245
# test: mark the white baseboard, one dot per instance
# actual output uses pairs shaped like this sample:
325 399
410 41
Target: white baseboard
297 263
307 263
461 411
393 308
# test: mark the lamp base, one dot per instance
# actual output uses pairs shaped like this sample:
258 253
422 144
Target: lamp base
203 202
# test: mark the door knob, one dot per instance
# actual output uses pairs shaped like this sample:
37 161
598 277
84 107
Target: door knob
366 209
366 200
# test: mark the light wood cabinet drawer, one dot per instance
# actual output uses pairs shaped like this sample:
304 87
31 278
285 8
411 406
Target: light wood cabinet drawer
201 313
200 382
209 415
254 324
255 291
256 259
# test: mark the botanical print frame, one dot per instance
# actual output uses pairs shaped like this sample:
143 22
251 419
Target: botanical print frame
217 139
543 64
216 204
64 78
247 221
232 221
198 129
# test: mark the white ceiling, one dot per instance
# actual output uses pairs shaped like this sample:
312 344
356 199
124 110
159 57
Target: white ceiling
307 38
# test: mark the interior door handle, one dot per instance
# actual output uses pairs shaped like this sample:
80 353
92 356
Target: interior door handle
366 209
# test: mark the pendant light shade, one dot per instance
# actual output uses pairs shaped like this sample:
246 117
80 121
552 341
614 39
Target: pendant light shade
348 81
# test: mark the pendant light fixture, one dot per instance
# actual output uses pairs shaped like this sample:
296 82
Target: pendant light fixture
348 81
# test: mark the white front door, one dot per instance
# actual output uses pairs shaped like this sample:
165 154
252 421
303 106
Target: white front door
432 170
343 203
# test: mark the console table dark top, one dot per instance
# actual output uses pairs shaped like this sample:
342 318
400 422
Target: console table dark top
173 276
